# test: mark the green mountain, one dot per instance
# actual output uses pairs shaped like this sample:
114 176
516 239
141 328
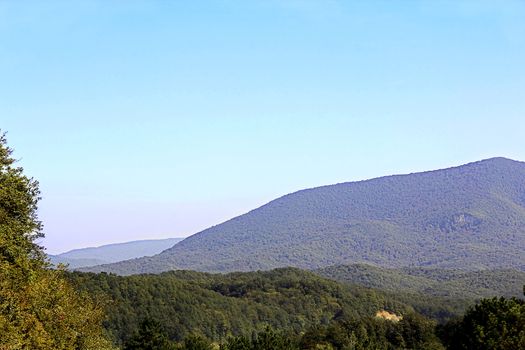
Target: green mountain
113 252
459 284
467 217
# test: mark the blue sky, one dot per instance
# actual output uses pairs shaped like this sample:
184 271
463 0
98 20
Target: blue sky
150 119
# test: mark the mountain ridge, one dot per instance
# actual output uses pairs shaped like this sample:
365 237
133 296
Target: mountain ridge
114 252
467 215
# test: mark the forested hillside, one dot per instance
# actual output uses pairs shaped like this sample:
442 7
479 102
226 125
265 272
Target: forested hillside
459 284
238 310
467 217
217 306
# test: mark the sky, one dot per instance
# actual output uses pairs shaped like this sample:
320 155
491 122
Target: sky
153 119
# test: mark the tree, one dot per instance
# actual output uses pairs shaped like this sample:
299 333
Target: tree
195 342
150 336
38 309
495 324
265 340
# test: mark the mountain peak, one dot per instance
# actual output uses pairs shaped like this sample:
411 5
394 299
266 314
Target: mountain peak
495 163
471 216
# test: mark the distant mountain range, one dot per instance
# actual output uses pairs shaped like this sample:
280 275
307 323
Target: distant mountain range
468 217
113 252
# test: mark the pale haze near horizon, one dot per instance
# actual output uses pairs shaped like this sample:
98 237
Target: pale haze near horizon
147 119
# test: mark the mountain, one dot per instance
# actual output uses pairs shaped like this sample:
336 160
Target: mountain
458 284
467 217
76 263
113 252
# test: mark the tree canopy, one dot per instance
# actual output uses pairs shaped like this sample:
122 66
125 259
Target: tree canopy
496 323
38 308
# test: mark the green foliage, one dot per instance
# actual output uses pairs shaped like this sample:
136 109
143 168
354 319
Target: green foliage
39 310
471 216
495 324
265 340
150 336
437 293
412 332
19 225
195 342
220 306
310 312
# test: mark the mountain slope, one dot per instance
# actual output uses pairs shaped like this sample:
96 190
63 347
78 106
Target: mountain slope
113 252
467 217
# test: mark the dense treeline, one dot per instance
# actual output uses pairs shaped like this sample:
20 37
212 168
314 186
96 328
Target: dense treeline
493 324
219 306
413 332
193 310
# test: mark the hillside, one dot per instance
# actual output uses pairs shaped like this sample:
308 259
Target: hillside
111 253
458 284
466 217
218 306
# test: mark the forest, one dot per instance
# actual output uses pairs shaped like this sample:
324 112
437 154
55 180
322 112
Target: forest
296 309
